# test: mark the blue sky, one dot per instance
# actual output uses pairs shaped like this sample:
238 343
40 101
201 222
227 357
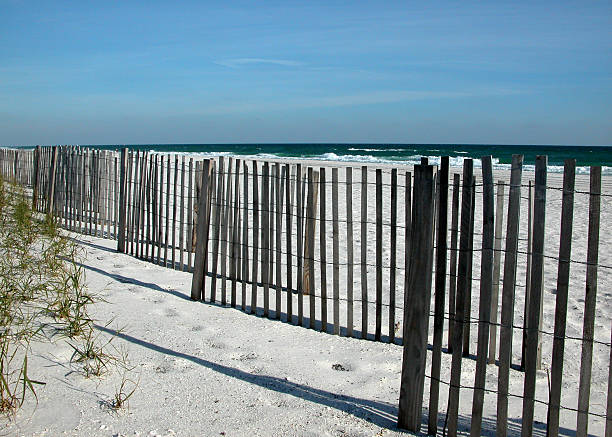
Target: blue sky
208 72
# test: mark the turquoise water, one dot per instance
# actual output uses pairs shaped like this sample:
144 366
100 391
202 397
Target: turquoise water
399 153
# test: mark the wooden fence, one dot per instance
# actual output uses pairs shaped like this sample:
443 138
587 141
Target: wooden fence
386 239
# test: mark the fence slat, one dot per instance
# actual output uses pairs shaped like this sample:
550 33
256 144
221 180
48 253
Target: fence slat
452 289
364 252
265 236
379 267
182 218
416 303
586 361
255 239
407 239
309 249
235 233
440 295
393 260
349 251
499 221
468 291
461 313
122 201
289 244
527 273
486 289
190 217
219 196
245 235
563 270
280 186
507 314
299 224
535 298
226 228
198 269
323 248
335 252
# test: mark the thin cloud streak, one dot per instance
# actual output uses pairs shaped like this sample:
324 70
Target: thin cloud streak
235 63
379 97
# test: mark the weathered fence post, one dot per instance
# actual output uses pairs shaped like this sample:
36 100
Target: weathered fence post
440 295
486 289
535 298
588 329
461 313
416 303
507 311
202 235
499 220
565 250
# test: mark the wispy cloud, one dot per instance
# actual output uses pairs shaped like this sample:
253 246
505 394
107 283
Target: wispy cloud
238 62
372 98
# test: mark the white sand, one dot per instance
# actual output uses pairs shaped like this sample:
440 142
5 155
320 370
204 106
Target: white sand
207 370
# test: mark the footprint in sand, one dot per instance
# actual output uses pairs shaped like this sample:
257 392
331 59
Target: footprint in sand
171 312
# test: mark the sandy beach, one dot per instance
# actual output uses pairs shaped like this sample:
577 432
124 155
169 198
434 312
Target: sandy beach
204 369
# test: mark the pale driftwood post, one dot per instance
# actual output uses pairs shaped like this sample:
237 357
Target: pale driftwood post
439 299
349 251
452 289
299 223
379 267
499 220
245 235
507 314
197 283
393 261
416 304
255 239
335 252
122 201
280 186
289 211
364 252
462 286
588 328
563 270
265 237
323 249
486 289
535 298
527 273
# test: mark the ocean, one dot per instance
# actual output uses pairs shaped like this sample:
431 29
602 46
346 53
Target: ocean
400 154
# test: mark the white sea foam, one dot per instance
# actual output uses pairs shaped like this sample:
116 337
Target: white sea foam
455 161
